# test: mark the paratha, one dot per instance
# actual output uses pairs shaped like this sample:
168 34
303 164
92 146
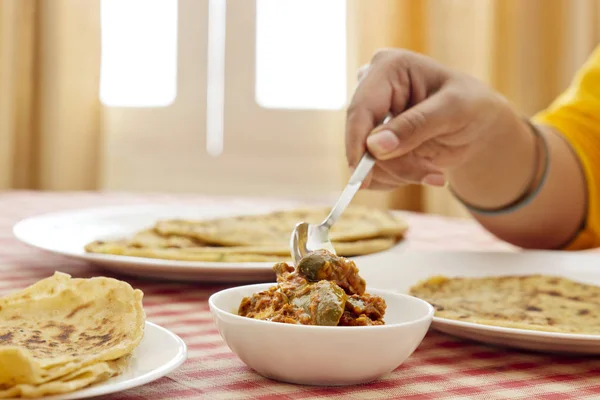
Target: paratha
78 379
63 330
123 248
534 302
149 243
356 223
255 238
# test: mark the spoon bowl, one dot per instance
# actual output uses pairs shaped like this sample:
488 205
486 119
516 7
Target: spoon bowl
310 237
307 238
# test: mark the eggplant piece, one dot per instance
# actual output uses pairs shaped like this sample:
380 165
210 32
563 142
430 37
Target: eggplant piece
324 302
314 266
322 265
330 300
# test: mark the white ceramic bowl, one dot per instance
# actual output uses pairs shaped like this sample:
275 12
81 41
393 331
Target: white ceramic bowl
322 355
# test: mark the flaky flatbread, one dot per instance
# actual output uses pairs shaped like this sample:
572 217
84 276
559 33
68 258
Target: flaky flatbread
86 376
150 243
62 327
255 238
356 223
534 302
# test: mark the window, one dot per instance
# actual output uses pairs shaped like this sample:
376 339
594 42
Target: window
139 53
261 87
301 54
215 76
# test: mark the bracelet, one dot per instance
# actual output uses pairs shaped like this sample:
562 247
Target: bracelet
530 193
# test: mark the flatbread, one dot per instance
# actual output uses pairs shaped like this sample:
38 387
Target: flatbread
150 238
356 223
533 302
122 248
78 379
255 238
61 326
151 244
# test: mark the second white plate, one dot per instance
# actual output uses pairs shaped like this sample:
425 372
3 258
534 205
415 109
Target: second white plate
400 271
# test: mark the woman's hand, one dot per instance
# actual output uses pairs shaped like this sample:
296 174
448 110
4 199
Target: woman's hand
442 118
450 127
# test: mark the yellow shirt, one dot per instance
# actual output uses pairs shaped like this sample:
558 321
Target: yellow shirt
576 114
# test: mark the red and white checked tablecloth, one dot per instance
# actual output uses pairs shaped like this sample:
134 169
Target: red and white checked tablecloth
441 368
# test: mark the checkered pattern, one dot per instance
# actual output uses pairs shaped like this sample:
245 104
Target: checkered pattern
442 367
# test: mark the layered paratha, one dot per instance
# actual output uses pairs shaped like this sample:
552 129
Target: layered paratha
62 333
534 302
255 238
78 379
149 243
356 223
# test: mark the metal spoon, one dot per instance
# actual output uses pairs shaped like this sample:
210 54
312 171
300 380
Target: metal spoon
310 237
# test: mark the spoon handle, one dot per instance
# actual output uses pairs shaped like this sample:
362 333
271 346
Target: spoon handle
363 168
360 173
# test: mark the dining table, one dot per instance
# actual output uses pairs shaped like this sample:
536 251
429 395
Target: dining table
443 367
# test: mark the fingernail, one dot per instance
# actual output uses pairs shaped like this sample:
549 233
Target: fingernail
382 142
438 180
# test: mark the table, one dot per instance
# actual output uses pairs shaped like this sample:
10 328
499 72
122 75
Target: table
442 368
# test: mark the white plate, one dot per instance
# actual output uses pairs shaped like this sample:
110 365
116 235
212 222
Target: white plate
399 271
67 233
159 353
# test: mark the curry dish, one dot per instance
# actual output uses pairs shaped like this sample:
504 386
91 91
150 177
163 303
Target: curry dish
324 290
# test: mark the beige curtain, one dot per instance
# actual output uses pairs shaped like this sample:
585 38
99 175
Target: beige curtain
50 114
49 107
527 50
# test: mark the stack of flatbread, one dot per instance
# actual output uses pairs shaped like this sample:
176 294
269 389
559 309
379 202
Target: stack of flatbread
63 334
534 302
256 238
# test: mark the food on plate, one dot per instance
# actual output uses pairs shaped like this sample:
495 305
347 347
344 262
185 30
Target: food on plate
255 238
323 290
356 223
534 302
62 334
151 244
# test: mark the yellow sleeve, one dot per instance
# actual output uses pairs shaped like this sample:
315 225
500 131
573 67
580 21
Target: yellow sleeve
576 114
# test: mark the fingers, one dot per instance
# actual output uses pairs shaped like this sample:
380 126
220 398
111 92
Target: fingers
393 81
409 168
370 104
445 156
382 187
414 89
409 130
405 170
362 72
381 175
438 180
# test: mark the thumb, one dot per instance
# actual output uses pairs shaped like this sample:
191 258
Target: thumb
411 128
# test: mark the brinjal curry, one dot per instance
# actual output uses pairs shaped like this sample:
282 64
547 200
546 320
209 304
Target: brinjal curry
323 290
